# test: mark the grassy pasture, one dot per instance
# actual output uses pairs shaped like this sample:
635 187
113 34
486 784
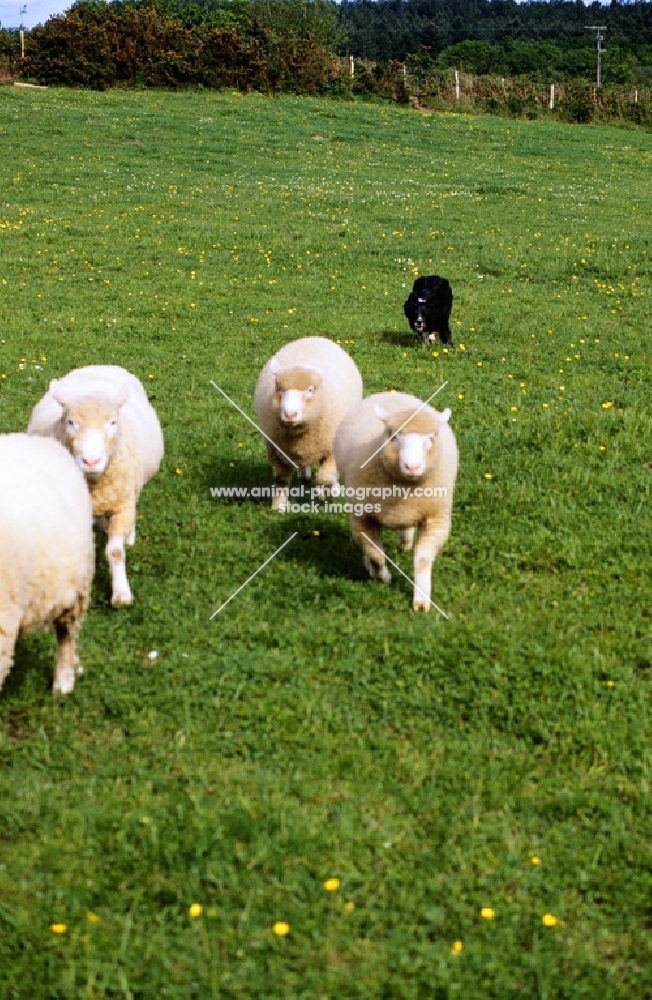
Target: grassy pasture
317 728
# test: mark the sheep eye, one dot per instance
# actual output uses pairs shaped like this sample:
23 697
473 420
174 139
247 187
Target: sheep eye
70 423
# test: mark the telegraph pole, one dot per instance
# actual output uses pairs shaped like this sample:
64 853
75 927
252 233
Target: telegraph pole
599 37
23 11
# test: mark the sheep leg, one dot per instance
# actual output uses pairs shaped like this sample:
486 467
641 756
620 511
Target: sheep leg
432 535
9 627
120 528
405 539
327 476
66 627
374 556
282 477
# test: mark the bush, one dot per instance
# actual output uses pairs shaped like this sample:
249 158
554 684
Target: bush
364 82
99 45
9 54
515 105
577 104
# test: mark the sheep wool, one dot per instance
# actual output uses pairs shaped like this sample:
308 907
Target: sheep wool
400 457
103 417
46 550
302 394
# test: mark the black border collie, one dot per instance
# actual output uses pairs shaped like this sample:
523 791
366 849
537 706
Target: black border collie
428 308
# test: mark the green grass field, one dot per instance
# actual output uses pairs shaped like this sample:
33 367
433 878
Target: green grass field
317 728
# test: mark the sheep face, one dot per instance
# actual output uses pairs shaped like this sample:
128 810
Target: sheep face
412 445
298 399
91 427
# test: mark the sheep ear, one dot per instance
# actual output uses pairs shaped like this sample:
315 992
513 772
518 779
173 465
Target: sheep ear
444 415
380 413
57 394
274 366
122 396
324 372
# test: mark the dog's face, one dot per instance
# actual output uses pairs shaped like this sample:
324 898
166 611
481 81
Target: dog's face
419 321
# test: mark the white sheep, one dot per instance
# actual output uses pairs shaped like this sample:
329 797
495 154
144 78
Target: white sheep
301 396
408 482
103 417
46 550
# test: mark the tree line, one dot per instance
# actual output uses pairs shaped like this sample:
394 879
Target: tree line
304 44
391 29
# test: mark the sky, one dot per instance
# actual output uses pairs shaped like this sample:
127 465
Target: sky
38 11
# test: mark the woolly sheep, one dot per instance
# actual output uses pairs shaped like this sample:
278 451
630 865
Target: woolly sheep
46 550
408 482
103 417
301 396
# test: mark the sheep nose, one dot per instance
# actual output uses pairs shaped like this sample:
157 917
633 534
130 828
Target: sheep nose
91 463
291 416
412 470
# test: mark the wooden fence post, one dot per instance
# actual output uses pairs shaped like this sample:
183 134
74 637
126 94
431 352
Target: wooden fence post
552 97
457 85
352 65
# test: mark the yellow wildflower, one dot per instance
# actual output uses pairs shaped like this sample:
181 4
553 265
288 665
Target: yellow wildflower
196 910
487 913
280 928
549 919
332 884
